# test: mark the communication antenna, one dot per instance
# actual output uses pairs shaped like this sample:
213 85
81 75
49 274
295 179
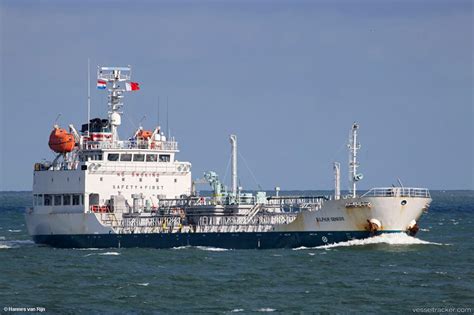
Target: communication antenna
141 120
158 110
167 118
88 95
57 118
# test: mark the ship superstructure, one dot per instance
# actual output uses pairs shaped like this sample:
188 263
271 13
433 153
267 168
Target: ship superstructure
101 191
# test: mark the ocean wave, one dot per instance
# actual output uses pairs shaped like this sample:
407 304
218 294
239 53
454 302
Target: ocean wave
91 248
237 310
181 247
145 284
109 254
206 248
266 309
387 238
14 231
302 248
212 249
15 243
103 254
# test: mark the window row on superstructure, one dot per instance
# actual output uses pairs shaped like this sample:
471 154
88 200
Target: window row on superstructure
129 157
58 199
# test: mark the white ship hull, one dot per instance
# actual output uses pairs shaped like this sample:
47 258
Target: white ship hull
333 222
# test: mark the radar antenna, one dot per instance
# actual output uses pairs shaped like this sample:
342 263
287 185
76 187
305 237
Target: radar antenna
112 77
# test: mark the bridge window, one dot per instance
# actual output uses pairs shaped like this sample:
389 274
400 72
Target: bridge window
38 200
93 199
48 200
164 157
67 200
112 157
58 200
151 158
139 157
125 157
75 200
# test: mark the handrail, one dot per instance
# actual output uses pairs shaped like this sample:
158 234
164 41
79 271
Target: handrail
127 144
398 192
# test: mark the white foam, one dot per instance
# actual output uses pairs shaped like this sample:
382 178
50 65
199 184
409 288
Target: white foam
237 310
266 309
302 248
180 247
145 284
91 248
14 231
109 254
15 243
387 238
212 249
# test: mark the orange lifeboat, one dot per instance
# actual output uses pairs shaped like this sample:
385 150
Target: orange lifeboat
144 134
61 141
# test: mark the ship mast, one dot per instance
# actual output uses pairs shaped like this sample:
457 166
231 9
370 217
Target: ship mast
233 141
114 75
353 146
337 180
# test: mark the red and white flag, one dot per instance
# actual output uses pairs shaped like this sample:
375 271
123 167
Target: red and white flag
132 86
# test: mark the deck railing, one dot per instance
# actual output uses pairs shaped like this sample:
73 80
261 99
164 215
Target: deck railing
127 144
398 192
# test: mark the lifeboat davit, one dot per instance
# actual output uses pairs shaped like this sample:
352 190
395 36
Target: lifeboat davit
61 141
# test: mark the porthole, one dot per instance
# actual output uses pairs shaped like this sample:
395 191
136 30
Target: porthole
404 202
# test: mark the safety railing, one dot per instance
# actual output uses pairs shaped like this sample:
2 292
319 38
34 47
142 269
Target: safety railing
398 192
127 144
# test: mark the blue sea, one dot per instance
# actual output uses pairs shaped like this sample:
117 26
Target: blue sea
432 273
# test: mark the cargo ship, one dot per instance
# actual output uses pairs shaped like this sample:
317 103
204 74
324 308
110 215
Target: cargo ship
101 192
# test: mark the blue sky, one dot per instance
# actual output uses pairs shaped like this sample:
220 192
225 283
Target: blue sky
288 77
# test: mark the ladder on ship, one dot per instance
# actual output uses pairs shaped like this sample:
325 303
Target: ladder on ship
253 212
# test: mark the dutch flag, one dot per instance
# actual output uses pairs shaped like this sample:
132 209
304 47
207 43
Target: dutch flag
101 84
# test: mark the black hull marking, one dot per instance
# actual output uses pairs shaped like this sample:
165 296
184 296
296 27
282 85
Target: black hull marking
242 240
